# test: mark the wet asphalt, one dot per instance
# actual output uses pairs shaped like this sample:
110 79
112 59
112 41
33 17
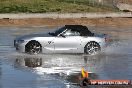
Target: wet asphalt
20 70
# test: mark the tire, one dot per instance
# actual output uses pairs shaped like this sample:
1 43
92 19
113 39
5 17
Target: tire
92 48
33 47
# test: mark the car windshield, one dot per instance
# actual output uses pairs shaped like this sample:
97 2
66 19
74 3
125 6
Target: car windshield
58 31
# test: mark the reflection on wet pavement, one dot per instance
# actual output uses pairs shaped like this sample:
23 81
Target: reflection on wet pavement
60 63
19 70
29 62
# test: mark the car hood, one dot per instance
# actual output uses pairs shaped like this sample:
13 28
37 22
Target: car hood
32 36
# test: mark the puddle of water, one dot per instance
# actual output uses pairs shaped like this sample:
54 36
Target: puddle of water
19 70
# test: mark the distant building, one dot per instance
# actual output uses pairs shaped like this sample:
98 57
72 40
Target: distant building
125 1
124 5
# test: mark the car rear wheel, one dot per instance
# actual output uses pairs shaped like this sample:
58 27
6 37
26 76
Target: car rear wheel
92 48
33 47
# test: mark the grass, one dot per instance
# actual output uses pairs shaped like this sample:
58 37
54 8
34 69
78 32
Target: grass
43 6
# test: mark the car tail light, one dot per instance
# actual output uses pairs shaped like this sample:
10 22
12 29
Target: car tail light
107 39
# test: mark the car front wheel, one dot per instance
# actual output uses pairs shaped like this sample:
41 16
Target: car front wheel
92 48
33 47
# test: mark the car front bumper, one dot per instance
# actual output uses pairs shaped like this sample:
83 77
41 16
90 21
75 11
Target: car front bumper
20 47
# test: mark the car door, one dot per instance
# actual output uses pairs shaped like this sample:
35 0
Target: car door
67 42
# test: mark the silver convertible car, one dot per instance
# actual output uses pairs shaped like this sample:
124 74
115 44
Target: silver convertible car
67 39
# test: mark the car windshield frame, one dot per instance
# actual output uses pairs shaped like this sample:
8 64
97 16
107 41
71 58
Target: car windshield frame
58 31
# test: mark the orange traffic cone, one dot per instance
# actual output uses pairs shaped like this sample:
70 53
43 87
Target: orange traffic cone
84 73
85 81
